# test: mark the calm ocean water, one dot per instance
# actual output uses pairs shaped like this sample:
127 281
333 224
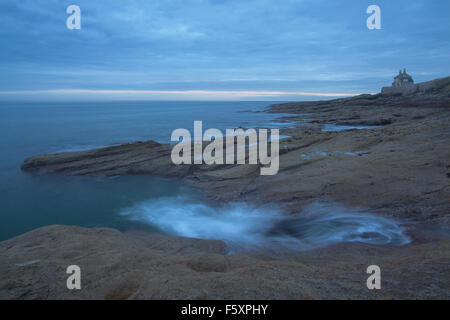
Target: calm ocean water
26 129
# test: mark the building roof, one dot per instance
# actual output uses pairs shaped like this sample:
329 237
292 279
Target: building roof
404 76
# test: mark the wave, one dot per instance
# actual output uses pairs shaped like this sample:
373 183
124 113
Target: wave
244 226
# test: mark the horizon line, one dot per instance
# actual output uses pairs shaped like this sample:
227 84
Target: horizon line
192 93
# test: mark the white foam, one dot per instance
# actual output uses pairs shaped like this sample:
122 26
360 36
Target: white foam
241 225
236 223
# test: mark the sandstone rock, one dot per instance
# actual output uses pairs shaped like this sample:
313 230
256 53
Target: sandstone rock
399 169
117 265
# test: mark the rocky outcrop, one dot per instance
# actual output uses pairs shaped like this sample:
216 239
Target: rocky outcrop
399 167
135 265
134 158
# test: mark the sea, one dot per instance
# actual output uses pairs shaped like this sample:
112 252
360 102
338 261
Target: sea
139 202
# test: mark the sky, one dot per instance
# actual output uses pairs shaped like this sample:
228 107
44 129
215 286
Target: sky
217 49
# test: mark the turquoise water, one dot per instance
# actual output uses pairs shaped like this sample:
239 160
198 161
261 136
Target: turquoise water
26 129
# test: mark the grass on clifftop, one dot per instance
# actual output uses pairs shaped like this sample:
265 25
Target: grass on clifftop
440 86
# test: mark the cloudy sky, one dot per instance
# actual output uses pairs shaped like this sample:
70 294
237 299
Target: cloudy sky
217 49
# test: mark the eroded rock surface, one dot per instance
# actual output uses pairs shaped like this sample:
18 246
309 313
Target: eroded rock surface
399 168
134 265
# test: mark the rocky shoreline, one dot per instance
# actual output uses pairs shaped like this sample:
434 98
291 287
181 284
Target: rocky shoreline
398 167
136 265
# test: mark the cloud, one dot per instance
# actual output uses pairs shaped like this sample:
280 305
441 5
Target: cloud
263 45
